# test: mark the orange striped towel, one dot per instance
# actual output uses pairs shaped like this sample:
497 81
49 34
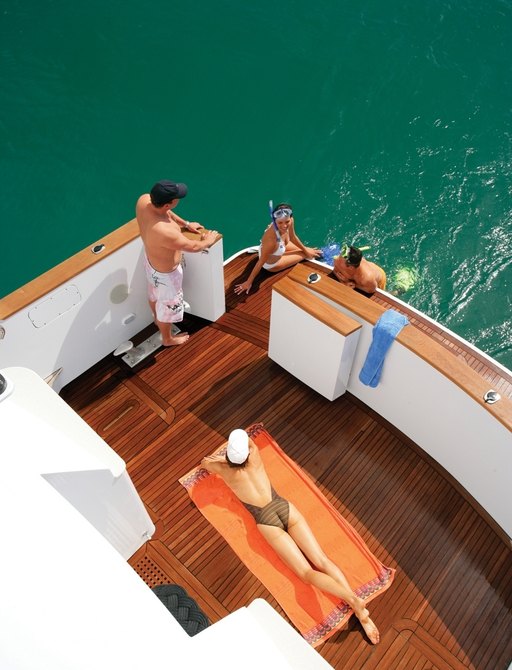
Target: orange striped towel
317 615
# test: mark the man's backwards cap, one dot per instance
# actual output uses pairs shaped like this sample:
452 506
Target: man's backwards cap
164 191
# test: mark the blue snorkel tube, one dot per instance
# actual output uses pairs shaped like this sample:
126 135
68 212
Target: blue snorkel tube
271 208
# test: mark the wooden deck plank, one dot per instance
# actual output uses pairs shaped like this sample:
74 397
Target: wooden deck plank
450 605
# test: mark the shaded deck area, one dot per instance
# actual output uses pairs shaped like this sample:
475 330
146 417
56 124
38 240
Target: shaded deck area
450 606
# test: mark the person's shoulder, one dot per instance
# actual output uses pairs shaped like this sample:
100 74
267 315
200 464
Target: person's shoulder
373 267
143 200
268 239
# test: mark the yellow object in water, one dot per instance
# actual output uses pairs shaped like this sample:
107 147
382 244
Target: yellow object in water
405 279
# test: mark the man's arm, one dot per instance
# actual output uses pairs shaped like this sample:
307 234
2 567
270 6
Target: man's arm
368 286
192 226
340 275
175 240
350 283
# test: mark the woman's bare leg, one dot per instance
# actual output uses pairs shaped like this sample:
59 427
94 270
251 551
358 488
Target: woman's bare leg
287 260
287 549
293 547
304 538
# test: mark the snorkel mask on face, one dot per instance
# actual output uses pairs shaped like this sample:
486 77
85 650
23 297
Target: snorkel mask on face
352 257
283 213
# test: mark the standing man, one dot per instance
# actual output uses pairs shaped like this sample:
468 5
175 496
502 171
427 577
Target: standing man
161 231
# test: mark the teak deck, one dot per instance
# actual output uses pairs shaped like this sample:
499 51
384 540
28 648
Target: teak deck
450 604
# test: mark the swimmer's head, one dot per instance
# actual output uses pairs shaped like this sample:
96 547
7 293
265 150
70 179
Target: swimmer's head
164 191
353 257
237 451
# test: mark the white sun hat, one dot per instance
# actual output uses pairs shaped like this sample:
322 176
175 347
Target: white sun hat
238 446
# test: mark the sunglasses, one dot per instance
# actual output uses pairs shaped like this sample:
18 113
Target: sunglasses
283 213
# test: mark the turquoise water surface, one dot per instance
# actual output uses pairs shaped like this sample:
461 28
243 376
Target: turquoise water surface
387 124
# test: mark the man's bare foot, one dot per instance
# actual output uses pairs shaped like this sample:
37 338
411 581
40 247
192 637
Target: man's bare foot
174 341
370 628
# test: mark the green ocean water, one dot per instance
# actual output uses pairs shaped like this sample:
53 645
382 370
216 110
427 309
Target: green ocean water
387 124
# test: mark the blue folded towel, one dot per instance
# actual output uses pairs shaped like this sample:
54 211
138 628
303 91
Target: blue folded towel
384 333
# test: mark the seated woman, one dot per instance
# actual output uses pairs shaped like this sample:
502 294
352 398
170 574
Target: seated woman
356 272
280 247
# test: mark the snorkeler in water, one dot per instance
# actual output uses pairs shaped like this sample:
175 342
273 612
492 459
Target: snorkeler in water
354 271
